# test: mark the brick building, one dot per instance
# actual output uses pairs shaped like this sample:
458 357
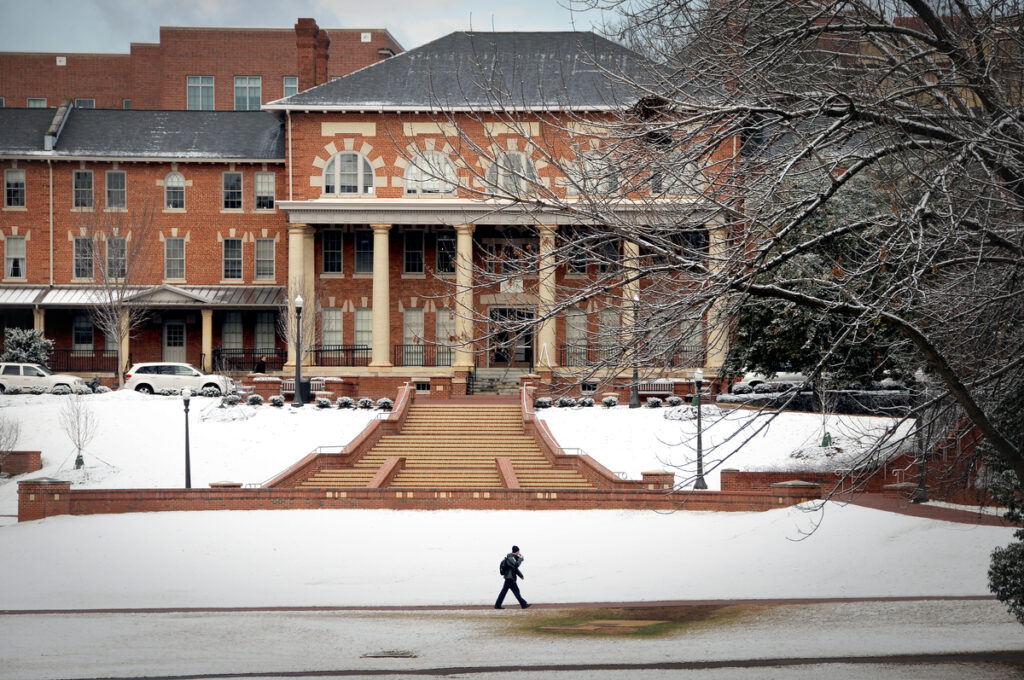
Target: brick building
322 194
219 69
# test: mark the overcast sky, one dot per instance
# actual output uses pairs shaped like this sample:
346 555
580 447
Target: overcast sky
112 25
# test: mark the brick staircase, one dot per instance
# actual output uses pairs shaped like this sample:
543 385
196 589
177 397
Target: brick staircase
455 446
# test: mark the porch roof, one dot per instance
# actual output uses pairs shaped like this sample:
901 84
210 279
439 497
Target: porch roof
162 296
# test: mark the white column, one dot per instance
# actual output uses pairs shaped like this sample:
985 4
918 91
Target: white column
380 354
300 275
547 350
717 333
39 320
464 294
207 315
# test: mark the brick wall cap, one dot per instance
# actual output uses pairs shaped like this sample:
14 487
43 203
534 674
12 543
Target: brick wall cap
796 484
267 379
657 472
225 485
900 485
44 480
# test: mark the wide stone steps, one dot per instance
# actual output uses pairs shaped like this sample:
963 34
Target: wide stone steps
342 478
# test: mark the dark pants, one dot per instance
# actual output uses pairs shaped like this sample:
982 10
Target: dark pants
510 584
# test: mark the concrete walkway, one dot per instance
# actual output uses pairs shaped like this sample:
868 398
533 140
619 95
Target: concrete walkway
926 510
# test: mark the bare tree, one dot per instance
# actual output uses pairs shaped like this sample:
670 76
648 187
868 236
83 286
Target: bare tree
79 424
119 248
10 433
312 309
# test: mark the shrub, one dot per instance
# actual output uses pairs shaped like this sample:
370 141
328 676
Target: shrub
83 389
586 402
276 400
231 399
742 389
209 392
385 404
254 400
323 402
764 388
542 402
103 389
26 346
170 392
653 402
59 389
364 402
36 389
16 389
674 401
346 402
566 402
610 402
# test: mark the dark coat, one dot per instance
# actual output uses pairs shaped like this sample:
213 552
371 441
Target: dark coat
513 561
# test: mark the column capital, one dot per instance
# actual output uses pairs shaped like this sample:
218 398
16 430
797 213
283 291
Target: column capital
297 227
547 229
380 228
465 228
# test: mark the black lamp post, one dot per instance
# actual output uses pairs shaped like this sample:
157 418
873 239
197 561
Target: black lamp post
297 400
698 379
634 390
186 396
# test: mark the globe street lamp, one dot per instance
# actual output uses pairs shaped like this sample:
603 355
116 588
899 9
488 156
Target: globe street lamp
634 390
297 400
698 379
186 396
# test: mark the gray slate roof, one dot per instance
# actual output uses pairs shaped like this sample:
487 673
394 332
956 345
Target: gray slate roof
529 70
116 133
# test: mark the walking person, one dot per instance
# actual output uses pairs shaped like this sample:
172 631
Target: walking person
509 569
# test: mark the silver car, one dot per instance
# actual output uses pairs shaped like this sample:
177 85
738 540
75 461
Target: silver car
27 376
157 376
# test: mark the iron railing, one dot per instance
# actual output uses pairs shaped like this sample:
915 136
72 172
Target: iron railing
688 356
83 360
423 355
245 359
341 355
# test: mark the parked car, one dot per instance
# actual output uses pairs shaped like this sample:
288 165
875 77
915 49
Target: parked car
154 377
752 380
27 376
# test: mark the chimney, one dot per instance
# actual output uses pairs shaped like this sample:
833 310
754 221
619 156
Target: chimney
311 45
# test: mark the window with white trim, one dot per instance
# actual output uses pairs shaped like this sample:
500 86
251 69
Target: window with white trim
608 333
266 331
174 258
331 327
364 327
126 104
232 259
199 93
174 191
83 189
263 184
117 189
231 331
117 252
429 172
14 257
575 337
264 259
83 257
14 188
446 252
232 190
412 325
85 103
591 173
332 240
36 102
291 85
364 252
348 173
512 172
248 95
81 333
413 254
444 335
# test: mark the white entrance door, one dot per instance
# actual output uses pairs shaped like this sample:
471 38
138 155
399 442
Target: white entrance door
174 341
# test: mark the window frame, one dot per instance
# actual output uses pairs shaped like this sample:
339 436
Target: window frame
363 254
251 83
265 327
413 259
82 198
332 327
362 327
85 102
285 86
503 177
234 262
332 260
264 274
11 190
9 258
168 257
442 253
122 257
82 255
123 189
416 179
363 172
79 324
35 102
200 88
266 177
231 195
232 331
171 191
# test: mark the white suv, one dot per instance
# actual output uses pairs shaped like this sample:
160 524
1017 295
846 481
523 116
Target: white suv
154 377
27 376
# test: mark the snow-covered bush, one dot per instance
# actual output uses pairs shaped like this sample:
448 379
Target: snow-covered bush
254 400
103 389
610 402
674 400
742 389
364 402
209 392
566 402
16 389
385 404
653 402
323 402
231 399
170 392
542 402
346 402
276 400
36 389
59 389
764 388
587 402
83 389
26 346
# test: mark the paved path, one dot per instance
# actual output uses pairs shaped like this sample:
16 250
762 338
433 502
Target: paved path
927 510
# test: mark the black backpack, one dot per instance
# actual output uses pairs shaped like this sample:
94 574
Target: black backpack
503 566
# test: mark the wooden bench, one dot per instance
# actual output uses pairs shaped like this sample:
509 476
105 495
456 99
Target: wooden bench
656 388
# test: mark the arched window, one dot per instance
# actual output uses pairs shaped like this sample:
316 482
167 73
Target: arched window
512 172
174 190
348 173
429 172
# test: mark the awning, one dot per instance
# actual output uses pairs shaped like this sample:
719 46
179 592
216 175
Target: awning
163 296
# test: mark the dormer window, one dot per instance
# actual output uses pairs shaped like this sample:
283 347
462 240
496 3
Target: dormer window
430 173
348 173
